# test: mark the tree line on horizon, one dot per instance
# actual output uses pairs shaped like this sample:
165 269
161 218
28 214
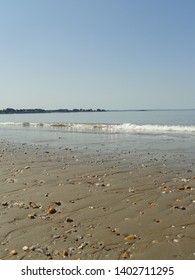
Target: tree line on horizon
32 111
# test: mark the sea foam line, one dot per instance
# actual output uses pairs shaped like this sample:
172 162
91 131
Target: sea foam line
108 128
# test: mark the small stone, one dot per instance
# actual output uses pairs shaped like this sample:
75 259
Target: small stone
155 242
69 220
175 240
130 237
180 235
58 203
31 216
51 210
180 207
4 203
83 245
56 236
13 252
25 248
33 247
27 167
34 205
65 253
125 255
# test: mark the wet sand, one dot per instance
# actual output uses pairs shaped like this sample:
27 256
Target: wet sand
63 204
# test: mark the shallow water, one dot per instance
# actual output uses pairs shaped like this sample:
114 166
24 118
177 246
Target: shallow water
129 130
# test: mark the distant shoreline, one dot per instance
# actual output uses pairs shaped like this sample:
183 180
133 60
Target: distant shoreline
43 111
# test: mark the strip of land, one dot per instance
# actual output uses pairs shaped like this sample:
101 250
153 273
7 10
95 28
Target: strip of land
42 111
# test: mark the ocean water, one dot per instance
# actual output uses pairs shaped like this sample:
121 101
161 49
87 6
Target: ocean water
125 130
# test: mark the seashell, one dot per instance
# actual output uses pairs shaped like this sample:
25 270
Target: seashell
175 240
181 188
180 235
83 245
125 255
155 241
31 216
25 248
13 252
130 237
33 247
27 167
56 236
51 210
10 180
34 205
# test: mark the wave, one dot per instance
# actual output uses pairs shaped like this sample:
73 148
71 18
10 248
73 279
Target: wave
104 128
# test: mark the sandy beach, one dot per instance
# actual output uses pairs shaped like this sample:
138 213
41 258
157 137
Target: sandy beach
63 204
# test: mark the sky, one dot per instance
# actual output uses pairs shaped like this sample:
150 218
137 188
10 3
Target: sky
108 54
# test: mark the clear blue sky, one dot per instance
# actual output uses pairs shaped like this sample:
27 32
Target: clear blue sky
112 54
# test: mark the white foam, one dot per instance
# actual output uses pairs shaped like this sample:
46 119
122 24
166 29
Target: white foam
106 128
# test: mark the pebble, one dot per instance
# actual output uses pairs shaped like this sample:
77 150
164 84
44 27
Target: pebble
31 216
27 167
25 248
10 180
125 255
51 210
180 207
34 205
83 245
13 252
65 253
175 240
56 236
4 203
69 220
58 203
155 242
130 237
180 235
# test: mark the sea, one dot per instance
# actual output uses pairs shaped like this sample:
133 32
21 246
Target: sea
143 130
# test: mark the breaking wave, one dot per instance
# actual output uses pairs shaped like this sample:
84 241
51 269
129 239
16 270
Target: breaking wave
104 128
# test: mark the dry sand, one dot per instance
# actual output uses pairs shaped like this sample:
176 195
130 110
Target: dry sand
62 204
